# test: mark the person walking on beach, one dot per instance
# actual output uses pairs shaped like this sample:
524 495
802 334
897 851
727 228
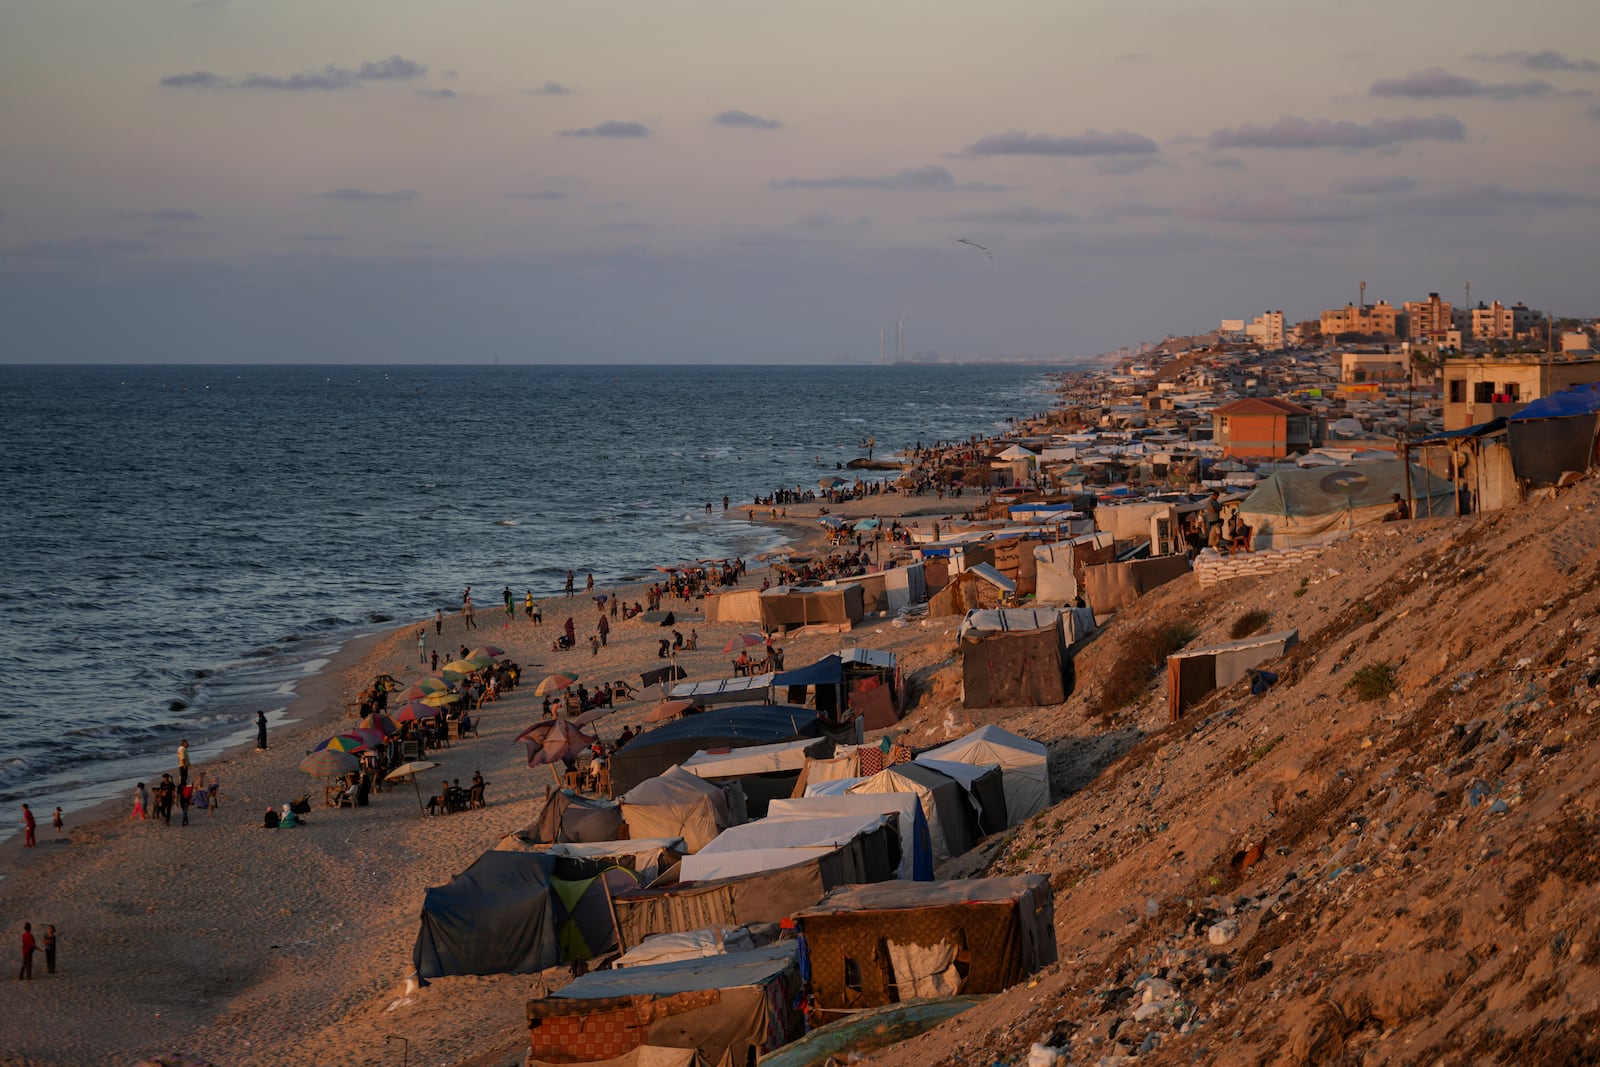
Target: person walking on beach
511 609
183 763
468 617
28 949
50 949
58 822
141 803
261 730
569 583
438 621
604 628
588 585
433 660
422 645
527 606
29 825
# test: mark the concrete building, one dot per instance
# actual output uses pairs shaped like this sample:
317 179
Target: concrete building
1477 389
1355 367
1428 320
1496 322
1265 427
1380 318
1266 329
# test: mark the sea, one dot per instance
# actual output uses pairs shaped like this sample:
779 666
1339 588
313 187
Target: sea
180 546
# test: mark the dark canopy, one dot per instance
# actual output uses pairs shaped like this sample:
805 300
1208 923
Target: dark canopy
829 670
740 726
494 918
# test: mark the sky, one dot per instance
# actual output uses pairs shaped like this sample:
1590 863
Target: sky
393 181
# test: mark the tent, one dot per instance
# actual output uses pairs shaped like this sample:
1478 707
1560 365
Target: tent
878 944
1024 766
582 912
873 846
742 689
1300 507
734 727
646 857
903 586
565 816
729 1009
911 826
497 917
1194 672
765 772
950 813
768 896
735 605
1059 567
1555 434
787 607
695 944
677 804
1112 586
985 788
1013 656
1477 460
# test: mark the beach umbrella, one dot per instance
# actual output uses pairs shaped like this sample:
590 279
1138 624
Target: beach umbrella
440 700
342 743
554 740
554 683
329 763
461 667
413 711
447 676
411 770
669 709
383 724
487 652
369 736
424 686
738 641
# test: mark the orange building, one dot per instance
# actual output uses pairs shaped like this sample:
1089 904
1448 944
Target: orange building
1264 427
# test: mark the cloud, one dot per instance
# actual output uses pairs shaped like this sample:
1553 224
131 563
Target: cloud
744 118
932 178
1134 210
361 196
79 249
330 78
315 238
167 216
1594 112
1549 59
1268 210
538 194
832 223
549 89
1093 143
1376 185
1225 163
1291 132
1435 83
1478 200
610 129
1130 165
1017 215
436 94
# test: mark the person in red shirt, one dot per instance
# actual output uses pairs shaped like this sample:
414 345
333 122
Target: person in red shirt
29 825
28 949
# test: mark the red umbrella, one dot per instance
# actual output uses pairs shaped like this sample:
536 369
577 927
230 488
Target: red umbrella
738 641
553 740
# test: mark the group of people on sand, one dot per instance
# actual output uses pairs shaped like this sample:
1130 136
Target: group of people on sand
32 945
181 794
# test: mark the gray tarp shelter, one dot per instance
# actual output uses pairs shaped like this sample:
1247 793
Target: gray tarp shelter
1310 506
737 727
895 941
1194 672
497 917
1012 657
730 1008
1555 434
1024 765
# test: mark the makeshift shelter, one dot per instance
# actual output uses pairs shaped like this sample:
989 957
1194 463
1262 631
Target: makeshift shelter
565 816
958 597
866 841
646 857
1555 434
695 944
1012 657
496 917
729 1009
1477 461
985 789
581 910
791 607
1194 672
1299 507
1113 586
851 681
713 691
904 586
1024 766
677 804
735 605
951 814
763 772
767 896
734 727
910 824
881 944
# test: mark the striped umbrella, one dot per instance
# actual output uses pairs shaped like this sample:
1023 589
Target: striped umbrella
342 743
329 763
554 683
414 710
487 652
381 723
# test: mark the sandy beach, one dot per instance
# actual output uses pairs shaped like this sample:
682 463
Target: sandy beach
238 945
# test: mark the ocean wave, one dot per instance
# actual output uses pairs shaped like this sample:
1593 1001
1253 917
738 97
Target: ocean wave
506 522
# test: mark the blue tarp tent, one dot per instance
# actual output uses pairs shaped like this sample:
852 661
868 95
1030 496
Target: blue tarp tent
1555 434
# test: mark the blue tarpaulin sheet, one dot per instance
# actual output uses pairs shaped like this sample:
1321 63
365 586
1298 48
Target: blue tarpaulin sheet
1578 400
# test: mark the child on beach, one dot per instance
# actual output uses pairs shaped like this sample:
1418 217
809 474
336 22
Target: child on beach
57 822
141 803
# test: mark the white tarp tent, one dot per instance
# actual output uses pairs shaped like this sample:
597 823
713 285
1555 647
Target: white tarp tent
948 833
758 759
916 852
1056 573
767 845
676 804
689 945
1024 766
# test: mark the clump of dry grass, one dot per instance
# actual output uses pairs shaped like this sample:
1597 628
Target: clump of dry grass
1140 657
1252 621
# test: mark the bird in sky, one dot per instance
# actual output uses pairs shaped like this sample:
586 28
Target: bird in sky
974 244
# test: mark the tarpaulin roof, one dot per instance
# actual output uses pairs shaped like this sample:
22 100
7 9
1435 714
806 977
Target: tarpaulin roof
916 851
496 917
1483 429
756 759
755 967
752 723
1325 491
1575 400
894 896
829 670
1024 766
994 578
